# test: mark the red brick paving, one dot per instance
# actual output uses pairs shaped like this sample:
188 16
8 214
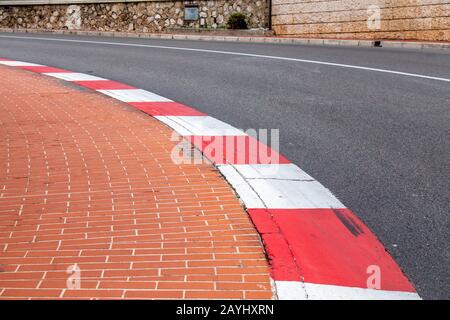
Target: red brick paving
87 180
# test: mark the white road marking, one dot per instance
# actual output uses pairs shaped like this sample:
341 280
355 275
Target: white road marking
406 74
296 290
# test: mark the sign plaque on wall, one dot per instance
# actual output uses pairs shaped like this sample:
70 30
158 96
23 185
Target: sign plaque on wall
191 13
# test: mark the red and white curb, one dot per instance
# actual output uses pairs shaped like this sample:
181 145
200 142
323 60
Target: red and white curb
318 249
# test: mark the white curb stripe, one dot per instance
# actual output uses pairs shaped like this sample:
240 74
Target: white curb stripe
247 195
174 125
288 171
20 64
134 95
73 76
288 194
275 191
200 126
295 290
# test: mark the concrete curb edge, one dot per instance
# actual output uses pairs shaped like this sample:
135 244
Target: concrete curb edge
247 39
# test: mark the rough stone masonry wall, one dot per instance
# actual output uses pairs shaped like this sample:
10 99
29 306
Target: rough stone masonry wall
427 20
146 16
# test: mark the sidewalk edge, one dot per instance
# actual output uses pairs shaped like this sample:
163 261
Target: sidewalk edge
417 45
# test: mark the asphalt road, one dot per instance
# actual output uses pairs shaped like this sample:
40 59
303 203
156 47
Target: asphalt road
379 141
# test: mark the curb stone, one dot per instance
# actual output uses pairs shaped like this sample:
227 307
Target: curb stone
245 39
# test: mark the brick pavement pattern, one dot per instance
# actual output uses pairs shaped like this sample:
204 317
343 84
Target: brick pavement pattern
87 180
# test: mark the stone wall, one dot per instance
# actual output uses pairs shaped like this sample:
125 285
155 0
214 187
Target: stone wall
427 20
146 16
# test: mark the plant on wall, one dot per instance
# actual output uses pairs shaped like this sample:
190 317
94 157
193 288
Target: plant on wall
237 20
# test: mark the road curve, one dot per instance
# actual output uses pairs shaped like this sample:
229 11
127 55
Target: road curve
378 140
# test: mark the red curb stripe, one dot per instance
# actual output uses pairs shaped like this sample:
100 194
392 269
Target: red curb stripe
4 59
44 69
103 85
282 263
166 109
332 246
244 150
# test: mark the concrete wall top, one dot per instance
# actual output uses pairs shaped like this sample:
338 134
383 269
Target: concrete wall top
40 2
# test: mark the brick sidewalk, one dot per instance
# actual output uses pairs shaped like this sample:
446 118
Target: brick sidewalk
89 181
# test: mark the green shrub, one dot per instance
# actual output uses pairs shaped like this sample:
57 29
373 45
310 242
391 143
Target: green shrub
237 20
